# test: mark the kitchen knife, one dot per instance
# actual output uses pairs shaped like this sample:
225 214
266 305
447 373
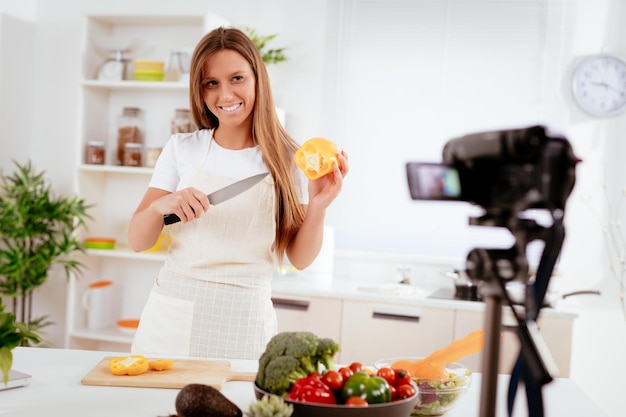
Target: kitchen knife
223 194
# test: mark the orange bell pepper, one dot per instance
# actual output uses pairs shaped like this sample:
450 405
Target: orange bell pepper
129 365
316 156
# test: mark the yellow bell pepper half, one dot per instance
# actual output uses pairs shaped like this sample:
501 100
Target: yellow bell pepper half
129 365
316 156
161 364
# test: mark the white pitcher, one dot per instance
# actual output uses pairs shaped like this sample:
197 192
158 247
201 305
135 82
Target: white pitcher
98 303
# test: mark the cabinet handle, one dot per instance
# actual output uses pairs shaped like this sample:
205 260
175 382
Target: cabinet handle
289 304
396 315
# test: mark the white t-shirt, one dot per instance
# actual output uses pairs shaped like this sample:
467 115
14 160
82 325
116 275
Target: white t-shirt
182 155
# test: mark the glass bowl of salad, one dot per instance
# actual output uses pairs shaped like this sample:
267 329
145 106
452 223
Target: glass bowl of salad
436 396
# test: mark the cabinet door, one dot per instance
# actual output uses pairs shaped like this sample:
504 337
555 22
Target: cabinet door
372 331
321 316
556 332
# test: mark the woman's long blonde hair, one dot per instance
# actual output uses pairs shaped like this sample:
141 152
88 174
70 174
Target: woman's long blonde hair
276 145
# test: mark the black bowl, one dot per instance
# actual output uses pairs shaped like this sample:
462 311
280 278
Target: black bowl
400 408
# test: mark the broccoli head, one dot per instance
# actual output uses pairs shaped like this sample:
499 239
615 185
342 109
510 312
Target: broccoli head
303 346
326 350
281 373
289 356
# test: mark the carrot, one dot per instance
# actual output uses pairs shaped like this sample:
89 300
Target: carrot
429 370
403 364
433 365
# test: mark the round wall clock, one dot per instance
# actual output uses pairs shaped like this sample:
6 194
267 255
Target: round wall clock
599 85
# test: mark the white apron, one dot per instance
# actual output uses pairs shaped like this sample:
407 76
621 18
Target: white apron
212 297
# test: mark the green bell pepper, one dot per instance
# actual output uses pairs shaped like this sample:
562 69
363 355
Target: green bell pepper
371 388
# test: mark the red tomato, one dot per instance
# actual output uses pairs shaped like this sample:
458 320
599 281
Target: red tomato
388 374
402 377
404 391
356 402
333 379
392 390
356 367
345 372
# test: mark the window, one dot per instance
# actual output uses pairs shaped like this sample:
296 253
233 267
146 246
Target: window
404 77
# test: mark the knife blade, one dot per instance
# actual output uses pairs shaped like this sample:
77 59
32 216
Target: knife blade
223 194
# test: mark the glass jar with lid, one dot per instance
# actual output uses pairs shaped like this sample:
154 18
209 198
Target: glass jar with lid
130 130
95 152
173 67
152 155
182 122
132 154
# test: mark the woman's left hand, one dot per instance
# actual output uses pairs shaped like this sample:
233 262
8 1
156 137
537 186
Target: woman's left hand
324 190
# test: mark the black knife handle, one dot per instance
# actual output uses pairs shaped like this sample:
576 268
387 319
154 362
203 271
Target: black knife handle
170 219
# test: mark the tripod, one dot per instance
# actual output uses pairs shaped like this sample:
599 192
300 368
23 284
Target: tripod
496 267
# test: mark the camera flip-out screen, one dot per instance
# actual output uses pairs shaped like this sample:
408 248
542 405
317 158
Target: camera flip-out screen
431 181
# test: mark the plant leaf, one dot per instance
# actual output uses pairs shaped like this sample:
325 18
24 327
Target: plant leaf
6 360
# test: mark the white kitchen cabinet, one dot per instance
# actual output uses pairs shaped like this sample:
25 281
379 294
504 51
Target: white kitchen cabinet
114 191
557 333
372 331
320 315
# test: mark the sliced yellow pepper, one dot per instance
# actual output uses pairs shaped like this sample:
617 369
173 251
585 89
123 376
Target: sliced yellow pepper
161 364
316 156
129 365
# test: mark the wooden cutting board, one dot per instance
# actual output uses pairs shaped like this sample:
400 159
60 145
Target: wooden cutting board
184 371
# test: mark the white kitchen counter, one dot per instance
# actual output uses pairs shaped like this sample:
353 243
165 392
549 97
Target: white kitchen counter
56 390
322 285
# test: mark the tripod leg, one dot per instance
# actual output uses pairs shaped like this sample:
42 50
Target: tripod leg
491 355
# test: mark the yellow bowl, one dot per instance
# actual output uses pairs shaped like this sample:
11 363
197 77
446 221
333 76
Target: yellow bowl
147 65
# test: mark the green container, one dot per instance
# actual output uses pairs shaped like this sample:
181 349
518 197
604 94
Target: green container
149 75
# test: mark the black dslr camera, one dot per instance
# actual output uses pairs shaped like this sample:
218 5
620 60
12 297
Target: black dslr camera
506 172
503 171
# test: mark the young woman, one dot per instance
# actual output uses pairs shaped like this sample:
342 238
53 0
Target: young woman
212 296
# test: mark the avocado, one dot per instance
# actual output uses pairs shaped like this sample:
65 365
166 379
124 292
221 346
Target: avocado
199 400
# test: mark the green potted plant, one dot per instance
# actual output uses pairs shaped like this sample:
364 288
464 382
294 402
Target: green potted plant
269 55
12 334
37 231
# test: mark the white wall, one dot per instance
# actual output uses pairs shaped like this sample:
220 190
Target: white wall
16 63
600 332
301 86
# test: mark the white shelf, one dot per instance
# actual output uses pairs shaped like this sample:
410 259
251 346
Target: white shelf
123 252
136 85
150 20
107 335
116 169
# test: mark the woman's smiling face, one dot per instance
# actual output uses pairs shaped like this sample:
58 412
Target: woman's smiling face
229 88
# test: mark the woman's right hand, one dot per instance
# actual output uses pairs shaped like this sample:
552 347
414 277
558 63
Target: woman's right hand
187 204
147 221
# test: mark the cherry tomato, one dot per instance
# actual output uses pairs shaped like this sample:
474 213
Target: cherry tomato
356 402
404 391
392 390
333 379
356 366
345 372
387 373
402 377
